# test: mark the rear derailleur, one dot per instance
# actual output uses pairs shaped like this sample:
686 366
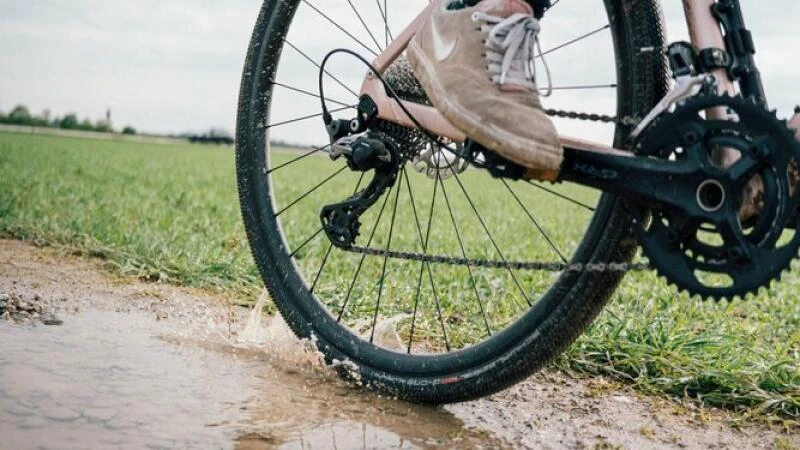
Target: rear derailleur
370 144
369 151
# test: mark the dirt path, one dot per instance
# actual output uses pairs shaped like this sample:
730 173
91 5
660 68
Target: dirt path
211 391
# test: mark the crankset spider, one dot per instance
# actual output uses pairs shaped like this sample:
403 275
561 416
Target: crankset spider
713 247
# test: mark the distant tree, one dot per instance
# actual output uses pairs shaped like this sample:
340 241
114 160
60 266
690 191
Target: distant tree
42 120
86 125
103 126
129 130
69 122
20 115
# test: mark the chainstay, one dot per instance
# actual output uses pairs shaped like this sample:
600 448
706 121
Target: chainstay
499 264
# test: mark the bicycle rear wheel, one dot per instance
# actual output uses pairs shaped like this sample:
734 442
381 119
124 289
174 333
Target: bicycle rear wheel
432 331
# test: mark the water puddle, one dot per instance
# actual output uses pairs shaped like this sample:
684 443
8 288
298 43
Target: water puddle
124 379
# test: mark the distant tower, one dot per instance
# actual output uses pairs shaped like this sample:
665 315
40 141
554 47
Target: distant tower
108 115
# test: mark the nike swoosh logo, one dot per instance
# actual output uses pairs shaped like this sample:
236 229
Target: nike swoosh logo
442 49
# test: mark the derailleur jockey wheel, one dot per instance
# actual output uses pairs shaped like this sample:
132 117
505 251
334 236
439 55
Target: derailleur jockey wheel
738 234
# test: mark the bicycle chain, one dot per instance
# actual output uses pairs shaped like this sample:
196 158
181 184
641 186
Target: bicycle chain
625 121
496 264
521 265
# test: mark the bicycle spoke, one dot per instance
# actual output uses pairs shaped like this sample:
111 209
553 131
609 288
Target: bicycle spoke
330 246
387 32
423 264
439 310
573 41
386 20
404 174
321 268
311 60
307 241
464 255
486 230
385 261
480 219
535 222
329 178
430 274
361 19
561 196
427 265
310 116
309 93
363 257
299 158
357 40
588 86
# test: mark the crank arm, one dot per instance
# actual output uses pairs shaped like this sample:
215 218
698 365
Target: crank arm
690 187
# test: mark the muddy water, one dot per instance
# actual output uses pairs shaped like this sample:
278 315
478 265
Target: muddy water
123 379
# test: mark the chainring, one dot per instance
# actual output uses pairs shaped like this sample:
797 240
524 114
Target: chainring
723 258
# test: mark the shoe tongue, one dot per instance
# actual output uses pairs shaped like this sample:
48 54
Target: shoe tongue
504 8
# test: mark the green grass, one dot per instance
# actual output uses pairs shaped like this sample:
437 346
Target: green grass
161 213
170 214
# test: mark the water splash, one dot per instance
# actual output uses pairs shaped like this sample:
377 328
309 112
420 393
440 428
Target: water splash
386 334
256 331
271 334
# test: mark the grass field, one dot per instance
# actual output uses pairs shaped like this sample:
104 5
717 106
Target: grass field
171 214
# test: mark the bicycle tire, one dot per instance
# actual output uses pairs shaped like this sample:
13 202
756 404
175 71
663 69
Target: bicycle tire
525 346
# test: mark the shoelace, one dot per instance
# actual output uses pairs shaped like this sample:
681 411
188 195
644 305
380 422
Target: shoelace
511 49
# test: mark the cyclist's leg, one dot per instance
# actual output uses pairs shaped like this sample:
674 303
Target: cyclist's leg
538 6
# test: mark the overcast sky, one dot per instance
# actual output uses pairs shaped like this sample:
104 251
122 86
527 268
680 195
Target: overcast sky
174 65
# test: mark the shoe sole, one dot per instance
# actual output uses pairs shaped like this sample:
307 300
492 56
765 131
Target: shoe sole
531 154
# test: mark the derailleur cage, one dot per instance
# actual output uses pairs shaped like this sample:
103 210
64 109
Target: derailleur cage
371 151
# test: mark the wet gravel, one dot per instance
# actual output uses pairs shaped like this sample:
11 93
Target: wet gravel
31 309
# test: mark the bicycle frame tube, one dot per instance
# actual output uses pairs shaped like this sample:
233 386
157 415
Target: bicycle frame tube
704 31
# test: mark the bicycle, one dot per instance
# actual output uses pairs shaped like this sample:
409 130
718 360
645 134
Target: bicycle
436 300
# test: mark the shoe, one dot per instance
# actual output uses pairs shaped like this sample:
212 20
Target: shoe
476 65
